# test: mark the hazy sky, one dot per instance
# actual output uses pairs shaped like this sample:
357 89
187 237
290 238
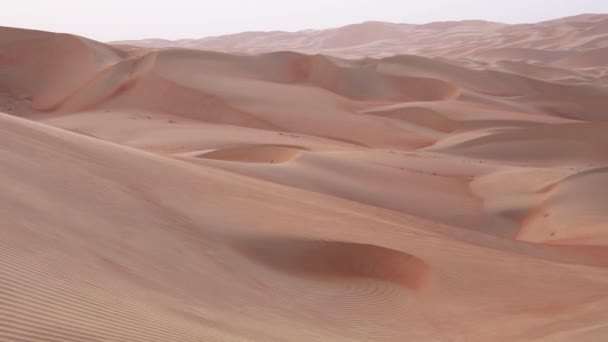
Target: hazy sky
107 20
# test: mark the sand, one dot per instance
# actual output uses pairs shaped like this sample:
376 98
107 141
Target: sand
376 182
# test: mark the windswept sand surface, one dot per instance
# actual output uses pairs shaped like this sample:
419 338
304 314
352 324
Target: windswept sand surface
377 182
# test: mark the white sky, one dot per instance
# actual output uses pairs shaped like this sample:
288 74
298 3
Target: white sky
107 20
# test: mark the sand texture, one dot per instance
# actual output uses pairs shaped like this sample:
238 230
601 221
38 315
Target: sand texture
378 182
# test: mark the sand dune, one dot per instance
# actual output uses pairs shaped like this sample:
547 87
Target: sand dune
588 59
557 145
420 116
539 42
523 54
574 211
48 67
376 182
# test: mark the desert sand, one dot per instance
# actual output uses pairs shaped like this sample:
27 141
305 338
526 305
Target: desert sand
376 182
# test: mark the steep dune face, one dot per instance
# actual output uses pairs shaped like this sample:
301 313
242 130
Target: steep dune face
48 68
454 175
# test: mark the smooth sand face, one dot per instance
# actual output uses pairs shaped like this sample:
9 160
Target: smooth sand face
380 182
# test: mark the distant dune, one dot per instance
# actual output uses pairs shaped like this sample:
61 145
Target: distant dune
375 182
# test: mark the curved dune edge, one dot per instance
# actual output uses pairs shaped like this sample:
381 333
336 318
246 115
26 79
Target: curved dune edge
416 115
329 260
544 206
359 80
550 144
510 197
573 211
263 154
108 83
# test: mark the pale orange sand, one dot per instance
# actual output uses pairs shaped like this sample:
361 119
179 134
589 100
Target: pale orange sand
380 182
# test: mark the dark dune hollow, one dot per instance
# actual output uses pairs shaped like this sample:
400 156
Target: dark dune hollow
333 259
